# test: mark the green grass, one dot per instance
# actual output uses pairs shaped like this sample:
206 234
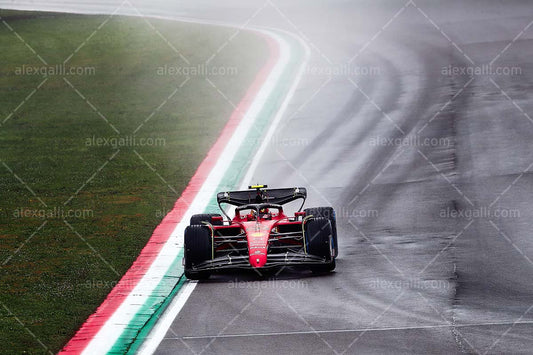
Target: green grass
54 280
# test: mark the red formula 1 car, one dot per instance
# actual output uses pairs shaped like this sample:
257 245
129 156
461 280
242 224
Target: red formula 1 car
260 235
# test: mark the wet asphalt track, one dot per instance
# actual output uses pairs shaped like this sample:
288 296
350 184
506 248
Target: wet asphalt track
412 276
423 267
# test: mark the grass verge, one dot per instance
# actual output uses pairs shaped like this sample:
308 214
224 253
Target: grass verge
95 151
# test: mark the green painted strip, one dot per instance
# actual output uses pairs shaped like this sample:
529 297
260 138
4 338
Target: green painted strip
150 311
144 320
145 330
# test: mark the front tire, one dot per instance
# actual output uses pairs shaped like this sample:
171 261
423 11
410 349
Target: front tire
198 249
318 239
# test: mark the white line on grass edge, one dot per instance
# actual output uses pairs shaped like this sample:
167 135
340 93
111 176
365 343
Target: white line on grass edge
158 332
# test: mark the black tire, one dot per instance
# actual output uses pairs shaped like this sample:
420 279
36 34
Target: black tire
320 269
329 213
318 239
197 219
198 249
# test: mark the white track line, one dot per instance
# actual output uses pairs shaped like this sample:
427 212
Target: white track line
159 331
357 330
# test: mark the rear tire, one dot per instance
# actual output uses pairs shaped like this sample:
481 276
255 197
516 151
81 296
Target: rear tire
198 249
197 219
329 213
318 239
321 269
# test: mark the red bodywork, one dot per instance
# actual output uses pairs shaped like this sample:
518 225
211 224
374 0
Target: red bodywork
257 234
260 235
258 229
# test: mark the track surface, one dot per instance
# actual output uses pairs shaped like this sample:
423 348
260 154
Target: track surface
412 277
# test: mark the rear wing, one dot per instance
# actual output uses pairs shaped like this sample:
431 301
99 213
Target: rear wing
262 195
